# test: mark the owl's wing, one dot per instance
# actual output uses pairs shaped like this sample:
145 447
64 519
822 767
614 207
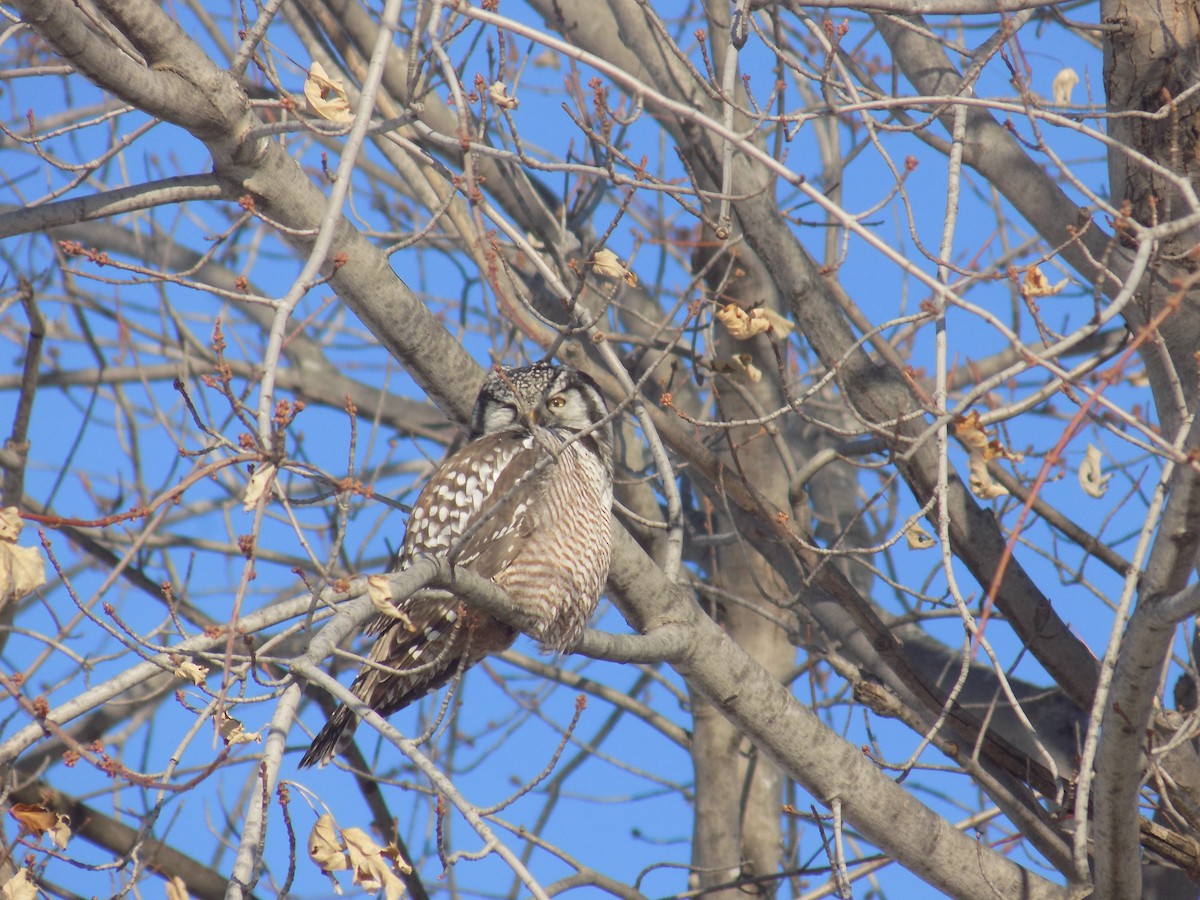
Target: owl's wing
508 517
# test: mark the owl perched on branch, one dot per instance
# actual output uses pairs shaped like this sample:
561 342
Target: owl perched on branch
525 503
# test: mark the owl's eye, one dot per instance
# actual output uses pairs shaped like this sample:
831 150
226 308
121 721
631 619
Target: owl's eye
557 402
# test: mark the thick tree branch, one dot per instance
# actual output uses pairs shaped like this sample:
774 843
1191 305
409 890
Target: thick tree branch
1125 730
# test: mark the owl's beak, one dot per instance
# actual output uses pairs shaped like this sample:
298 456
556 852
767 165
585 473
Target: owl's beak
533 417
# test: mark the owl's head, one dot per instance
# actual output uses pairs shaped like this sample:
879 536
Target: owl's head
560 399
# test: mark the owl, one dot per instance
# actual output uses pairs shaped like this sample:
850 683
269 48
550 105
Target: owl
526 503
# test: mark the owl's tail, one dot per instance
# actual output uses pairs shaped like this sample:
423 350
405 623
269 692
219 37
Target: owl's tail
332 739
406 663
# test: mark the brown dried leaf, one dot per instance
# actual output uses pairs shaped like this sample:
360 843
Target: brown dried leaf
177 889
22 571
34 817
970 432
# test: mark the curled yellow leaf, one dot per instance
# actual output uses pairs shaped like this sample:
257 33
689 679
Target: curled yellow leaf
981 448
743 324
379 589
369 863
1064 83
193 672
740 365
1091 473
918 538
22 569
232 731
325 845
10 524
61 832
374 868
608 264
259 484
498 93
1036 284
326 95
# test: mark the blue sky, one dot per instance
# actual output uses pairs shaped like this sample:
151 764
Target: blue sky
618 818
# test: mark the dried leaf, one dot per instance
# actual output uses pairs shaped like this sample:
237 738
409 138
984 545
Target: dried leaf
20 887
970 432
371 869
780 325
742 365
743 325
1036 284
379 589
61 832
980 449
34 817
918 538
1091 473
10 524
399 863
981 482
193 672
325 845
232 731
608 264
1064 83
498 93
38 820
260 483
326 96
359 845
22 569
177 889
547 59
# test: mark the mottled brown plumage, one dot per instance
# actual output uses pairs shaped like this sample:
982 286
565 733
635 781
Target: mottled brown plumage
524 503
